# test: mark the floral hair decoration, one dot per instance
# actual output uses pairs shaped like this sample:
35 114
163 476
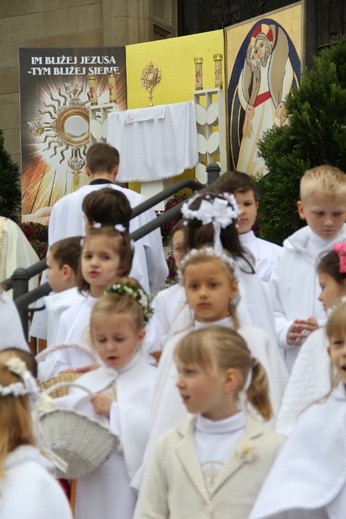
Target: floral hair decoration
340 249
220 211
209 251
27 387
137 294
118 227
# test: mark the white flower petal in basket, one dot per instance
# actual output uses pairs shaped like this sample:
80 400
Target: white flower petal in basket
201 173
213 114
201 114
213 142
95 129
202 144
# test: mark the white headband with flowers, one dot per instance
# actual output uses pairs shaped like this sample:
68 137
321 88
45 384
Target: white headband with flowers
27 387
220 211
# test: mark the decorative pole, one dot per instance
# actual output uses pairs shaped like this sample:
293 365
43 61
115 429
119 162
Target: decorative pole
112 88
92 90
198 73
218 70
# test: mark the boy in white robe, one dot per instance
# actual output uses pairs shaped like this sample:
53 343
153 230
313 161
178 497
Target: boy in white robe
245 191
294 283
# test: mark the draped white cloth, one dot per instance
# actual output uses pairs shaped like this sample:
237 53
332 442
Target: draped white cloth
154 143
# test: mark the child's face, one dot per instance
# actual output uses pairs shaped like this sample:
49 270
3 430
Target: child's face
248 211
55 274
209 290
324 214
202 393
178 246
331 290
337 353
115 338
100 264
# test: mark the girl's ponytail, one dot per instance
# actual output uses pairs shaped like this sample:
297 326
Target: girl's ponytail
258 391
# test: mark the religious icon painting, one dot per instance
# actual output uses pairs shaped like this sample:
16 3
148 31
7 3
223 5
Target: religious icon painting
260 73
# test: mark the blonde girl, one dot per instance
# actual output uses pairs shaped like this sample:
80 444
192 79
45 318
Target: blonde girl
27 489
308 480
212 292
122 390
215 461
105 257
309 379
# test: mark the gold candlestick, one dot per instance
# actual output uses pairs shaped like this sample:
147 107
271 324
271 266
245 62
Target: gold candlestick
198 73
218 70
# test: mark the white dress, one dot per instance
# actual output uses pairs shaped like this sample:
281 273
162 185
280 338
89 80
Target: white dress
106 492
73 329
263 251
66 220
308 479
294 285
173 315
309 381
28 490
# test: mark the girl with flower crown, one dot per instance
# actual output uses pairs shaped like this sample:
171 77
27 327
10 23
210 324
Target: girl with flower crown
28 490
210 220
122 390
309 379
212 291
214 462
106 256
308 479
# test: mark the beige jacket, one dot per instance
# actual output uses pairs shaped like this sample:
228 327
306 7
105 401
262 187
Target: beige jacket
174 487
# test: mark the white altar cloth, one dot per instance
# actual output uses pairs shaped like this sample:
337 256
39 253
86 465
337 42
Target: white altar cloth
154 143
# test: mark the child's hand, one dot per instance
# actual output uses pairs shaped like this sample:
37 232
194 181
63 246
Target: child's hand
86 369
101 404
300 329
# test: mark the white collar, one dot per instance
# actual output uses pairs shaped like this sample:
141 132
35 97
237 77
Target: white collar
228 425
246 237
226 321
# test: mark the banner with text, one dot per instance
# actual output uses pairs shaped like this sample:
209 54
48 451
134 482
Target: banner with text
65 97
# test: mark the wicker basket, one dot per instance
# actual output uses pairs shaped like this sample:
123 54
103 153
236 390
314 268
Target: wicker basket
62 377
81 442
47 353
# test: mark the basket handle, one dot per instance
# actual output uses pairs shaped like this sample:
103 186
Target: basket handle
59 385
61 347
103 420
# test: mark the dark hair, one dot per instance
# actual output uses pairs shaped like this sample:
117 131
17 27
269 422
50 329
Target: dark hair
102 157
107 206
236 182
122 246
330 264
67 252
199 234
26 356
